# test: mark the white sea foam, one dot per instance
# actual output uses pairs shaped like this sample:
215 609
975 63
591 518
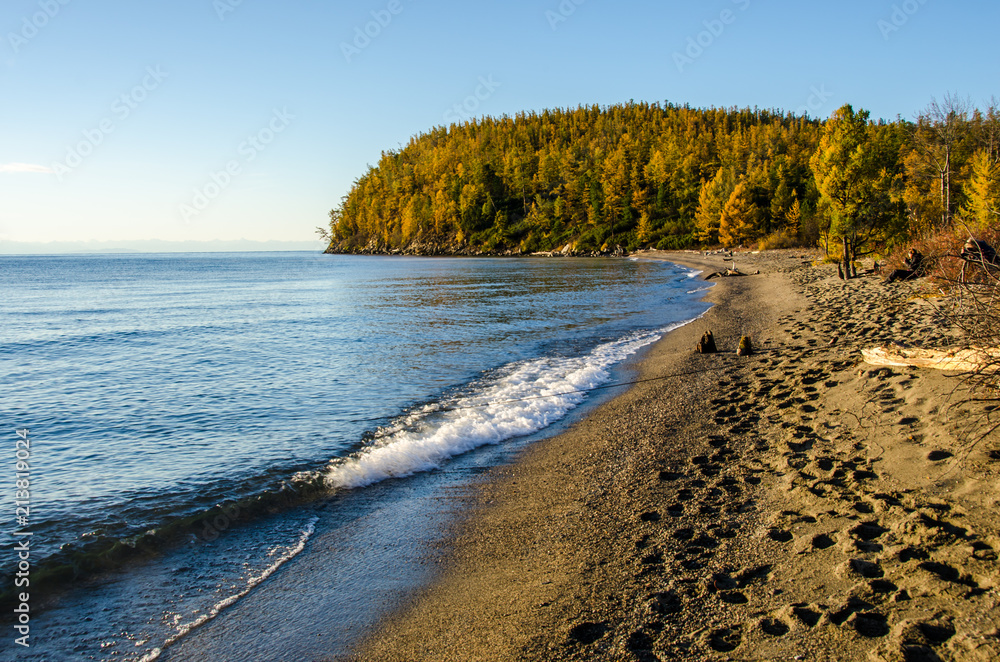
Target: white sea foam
523 398
283 556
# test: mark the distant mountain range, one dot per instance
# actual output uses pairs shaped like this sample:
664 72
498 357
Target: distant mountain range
154 246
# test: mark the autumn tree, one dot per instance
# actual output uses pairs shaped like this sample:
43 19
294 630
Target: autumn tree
740 218
983 191
793 218
856 168
781 203
713 197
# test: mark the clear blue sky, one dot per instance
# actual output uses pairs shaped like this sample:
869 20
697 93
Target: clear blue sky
116 114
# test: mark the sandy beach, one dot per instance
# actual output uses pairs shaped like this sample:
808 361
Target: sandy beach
795 504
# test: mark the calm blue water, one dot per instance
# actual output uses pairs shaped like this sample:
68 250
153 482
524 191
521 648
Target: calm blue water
155 386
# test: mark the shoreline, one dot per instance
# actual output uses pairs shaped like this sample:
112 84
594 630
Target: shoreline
553 481
734 509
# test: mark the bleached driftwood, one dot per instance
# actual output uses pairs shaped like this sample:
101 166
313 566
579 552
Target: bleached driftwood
974 359
724 274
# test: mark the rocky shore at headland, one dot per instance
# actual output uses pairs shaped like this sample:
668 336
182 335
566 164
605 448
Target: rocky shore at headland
431 249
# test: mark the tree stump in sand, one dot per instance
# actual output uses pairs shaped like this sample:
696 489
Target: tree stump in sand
707 344
745 348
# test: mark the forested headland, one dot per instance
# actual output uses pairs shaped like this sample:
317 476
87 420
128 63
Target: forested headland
640 175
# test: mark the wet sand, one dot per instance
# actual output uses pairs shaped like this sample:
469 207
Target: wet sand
794 504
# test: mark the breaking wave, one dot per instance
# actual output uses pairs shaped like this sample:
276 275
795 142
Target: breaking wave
519 399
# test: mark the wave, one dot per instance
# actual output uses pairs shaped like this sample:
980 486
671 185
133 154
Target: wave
191 521
287 555
520 399
516 400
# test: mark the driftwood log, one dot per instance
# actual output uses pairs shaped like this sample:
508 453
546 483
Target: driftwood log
724 274
970 359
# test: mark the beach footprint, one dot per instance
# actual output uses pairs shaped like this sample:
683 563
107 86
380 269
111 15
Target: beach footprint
869 624
587 632
779 535
725 640
806 614
774 627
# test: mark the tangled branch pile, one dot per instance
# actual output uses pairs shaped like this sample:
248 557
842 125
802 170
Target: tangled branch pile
973 287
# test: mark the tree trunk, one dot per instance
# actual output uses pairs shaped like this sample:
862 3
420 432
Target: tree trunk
944 197
847 259
854 253
947 205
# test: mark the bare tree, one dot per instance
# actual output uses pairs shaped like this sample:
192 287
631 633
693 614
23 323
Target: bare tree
937 139
988 128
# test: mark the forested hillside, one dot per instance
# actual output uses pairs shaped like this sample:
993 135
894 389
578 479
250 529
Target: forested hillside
646 175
